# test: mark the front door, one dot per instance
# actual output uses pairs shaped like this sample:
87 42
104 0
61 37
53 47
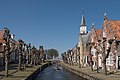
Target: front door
118 62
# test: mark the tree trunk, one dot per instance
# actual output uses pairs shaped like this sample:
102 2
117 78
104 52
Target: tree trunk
6 65
97 63
27 58
34 59
19 63
91 62
105 69
104 58
4 59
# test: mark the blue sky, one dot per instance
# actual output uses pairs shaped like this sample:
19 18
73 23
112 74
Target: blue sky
54 23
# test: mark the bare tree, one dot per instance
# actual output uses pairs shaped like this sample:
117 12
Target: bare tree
8 49
20 48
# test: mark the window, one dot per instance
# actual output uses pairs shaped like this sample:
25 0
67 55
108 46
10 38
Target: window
108 45
104 34
92 39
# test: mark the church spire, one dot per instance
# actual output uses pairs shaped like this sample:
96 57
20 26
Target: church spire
83 28
83 21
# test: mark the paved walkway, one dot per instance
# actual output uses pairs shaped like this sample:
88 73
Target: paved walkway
99 75
17 75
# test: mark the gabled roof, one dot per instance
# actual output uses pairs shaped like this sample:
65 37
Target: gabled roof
115 26
98 32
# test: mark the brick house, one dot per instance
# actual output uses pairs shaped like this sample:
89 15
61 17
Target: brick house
74 50
2 46
94 40
2 55
111 32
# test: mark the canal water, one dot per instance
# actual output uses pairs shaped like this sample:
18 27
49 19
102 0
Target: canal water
50 73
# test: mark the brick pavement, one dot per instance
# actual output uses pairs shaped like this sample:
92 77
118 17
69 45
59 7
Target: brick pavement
18 75
99 75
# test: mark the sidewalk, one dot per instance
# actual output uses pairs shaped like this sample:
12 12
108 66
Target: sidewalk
18 75
99 75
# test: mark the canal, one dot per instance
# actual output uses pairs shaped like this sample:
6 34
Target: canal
50 73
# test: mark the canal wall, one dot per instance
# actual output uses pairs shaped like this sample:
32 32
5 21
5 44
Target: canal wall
82 74
34 74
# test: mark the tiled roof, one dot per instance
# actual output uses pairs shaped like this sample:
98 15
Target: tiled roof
115 26
98 34
85 38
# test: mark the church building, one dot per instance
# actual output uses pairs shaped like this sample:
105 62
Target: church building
83 42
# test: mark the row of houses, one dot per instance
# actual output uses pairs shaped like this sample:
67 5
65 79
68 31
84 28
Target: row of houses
29 54
106 42
98 48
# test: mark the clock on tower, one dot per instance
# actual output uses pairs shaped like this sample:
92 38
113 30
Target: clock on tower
83 29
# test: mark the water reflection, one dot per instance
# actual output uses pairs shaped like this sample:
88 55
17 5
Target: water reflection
50 73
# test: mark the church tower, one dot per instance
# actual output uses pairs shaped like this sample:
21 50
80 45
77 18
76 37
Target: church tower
83 28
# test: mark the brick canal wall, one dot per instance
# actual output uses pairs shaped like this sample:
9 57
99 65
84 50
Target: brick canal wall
34 74
82 74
